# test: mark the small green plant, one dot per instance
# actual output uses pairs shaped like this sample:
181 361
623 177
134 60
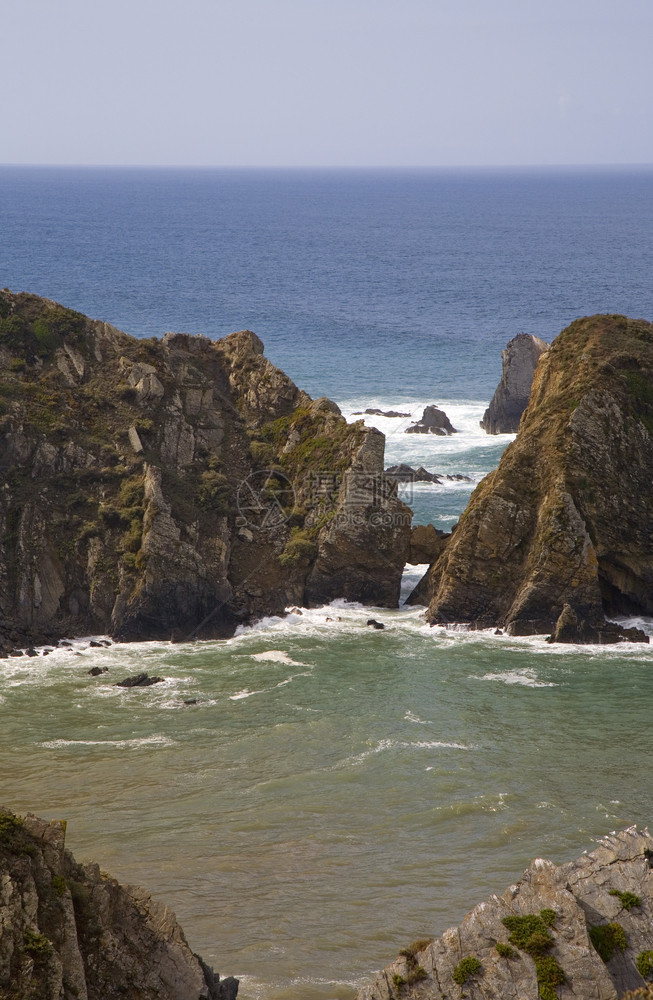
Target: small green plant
530 933
608 938
466 968
36 945
59 885
549 975
13 836
417 946
300 548
627 899
505 950
398 980
645 964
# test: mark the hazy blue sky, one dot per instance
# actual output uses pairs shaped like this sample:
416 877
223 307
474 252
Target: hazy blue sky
326 82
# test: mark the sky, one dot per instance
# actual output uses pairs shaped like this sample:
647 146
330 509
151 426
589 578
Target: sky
326 82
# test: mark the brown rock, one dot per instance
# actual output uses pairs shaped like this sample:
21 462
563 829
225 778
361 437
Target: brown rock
565 519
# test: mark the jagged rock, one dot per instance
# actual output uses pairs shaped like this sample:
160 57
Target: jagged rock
519 361
176 486
565 519
374 624
426 544
96 671
374 412
575 898
406 474
433 421
70 932
139 680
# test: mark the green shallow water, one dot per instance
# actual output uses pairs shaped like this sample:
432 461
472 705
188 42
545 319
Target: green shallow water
336 792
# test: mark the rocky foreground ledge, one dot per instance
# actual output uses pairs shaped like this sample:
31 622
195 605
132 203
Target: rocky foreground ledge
581 930
71 932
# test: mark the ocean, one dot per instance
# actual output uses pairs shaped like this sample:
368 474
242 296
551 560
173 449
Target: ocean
335 792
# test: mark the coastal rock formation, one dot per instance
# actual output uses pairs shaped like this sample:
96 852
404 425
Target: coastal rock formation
561 531
175 487
433 421
406 474
576 930
427 544
71 932
519 361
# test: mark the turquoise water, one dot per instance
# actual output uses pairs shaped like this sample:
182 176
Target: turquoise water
336 792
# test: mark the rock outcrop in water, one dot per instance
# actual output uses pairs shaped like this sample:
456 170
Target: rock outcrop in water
433 421
175 487
559 536
71 932
519 361
578 930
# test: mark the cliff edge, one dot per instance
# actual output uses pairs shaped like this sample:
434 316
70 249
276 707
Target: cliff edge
582 930
559 536
70 932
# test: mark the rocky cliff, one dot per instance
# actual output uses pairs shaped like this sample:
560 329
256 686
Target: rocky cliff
71 932
519 361
583 930
175 486
559 536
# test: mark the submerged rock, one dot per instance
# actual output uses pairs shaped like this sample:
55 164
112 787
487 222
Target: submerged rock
406 474
571 930
564 523
519 361
176 487
70 931
433 421
139 680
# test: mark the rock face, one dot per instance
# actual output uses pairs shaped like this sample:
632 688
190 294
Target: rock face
519 361
175 486
70 932
433 421
587 924
563 526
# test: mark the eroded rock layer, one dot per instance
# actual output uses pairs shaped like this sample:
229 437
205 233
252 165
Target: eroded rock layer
578 930
175 486
559 536
71 932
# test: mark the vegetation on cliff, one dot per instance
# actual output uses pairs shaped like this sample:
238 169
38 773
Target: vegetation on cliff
558 537
175 486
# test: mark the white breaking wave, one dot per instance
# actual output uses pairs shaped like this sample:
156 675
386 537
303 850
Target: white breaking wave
525 678
136 742
389 744
277 656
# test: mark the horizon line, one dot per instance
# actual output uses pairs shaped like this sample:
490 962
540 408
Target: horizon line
339 167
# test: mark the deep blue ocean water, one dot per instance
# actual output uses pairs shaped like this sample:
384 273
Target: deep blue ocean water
359 282
336 792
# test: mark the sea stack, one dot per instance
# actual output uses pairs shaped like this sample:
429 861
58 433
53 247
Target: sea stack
559 536
519 361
